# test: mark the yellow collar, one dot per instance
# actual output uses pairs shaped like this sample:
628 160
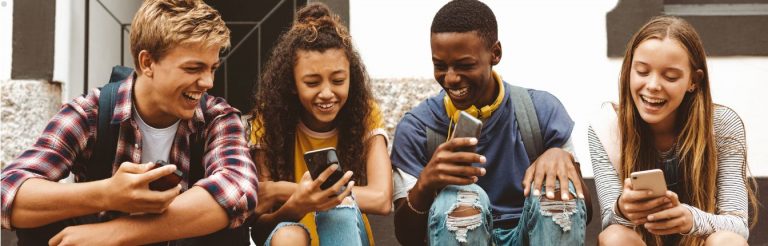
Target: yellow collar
481 113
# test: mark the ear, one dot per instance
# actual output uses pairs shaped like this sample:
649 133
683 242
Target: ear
145 63
496 53
698 76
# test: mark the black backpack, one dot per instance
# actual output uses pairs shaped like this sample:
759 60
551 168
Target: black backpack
100 167
528 123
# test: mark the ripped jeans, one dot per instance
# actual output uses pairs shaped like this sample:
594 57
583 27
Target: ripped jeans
542 222
342 225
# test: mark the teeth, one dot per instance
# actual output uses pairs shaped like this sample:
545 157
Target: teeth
193 96
653 100
459 92
325 105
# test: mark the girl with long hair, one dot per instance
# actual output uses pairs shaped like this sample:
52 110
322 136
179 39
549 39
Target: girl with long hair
665 119
314 94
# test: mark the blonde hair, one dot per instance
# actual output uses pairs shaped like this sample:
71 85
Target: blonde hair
697 154
161 25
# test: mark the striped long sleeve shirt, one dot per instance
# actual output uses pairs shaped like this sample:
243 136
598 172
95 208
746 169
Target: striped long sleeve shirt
732 201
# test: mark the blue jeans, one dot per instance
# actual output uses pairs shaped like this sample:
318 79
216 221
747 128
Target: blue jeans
542 222
342 225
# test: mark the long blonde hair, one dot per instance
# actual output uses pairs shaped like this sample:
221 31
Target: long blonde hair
696 141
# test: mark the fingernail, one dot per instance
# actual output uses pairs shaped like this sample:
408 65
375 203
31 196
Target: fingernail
650 217
473 140
474 179
335 166
564 196
581 195
351 183
550 194
482 159
536 193
482 171
649 192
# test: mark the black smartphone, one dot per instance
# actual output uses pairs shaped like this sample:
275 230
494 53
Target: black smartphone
168 181
467 126
320 159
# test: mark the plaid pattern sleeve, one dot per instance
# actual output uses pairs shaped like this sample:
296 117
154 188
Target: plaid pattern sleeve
54 153
231 176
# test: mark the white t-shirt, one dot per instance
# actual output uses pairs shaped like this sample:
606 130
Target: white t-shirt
155 143
403 182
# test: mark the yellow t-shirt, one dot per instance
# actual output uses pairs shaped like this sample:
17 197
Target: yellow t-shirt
307 140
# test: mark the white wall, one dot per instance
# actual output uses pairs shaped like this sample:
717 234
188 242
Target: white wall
104 42
6 38
557 46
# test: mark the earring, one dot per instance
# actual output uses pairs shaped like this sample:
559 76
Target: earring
691 90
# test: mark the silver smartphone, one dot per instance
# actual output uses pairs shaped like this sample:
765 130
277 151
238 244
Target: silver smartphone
467 126
652 180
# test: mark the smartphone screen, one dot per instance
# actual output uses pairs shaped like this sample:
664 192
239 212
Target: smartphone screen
168 181
467 126
319 160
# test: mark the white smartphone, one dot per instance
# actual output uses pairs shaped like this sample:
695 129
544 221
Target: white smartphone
652 180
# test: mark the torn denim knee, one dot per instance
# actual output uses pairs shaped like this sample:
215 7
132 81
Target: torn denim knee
559 210
461 225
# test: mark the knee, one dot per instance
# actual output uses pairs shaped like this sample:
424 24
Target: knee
725 238
290 235
619 235
452 196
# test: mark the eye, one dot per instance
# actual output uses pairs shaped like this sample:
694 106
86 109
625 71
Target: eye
465 66
339 81
192 69
642 73
311 83
439 66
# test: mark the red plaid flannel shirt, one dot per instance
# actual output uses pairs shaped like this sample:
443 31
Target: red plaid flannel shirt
67 143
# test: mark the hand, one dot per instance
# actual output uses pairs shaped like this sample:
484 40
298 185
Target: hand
87 234
677 219
451 168
309 197
266 200
128 189
553 164
636 205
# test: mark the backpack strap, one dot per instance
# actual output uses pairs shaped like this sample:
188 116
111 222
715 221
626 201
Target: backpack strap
434 139
197 149
527 121
105 150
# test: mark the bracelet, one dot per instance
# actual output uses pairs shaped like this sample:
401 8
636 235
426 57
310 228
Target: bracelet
408 201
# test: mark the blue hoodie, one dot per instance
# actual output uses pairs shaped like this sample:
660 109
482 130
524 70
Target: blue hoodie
499 142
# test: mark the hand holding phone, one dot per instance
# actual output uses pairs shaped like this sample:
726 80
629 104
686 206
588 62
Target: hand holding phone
168 181
319 160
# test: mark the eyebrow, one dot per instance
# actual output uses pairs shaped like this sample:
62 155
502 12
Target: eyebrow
200 63
666 68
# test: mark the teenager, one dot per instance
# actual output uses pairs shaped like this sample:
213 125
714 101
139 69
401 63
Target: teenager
440 198
157 113
665 119
315 94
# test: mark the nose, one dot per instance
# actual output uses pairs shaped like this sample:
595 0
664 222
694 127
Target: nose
451 77
206 81
326 92
653 83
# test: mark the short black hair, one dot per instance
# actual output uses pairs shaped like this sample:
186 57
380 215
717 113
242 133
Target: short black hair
466 16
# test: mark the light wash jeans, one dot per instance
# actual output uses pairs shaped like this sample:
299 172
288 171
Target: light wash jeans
542 222
342 225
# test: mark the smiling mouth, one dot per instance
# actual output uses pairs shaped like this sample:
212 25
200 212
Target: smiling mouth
458 93
653 102
194 96
325 107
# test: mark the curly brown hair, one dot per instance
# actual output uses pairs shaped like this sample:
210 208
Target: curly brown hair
276 104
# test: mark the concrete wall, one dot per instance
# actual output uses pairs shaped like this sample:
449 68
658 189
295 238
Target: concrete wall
553 45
